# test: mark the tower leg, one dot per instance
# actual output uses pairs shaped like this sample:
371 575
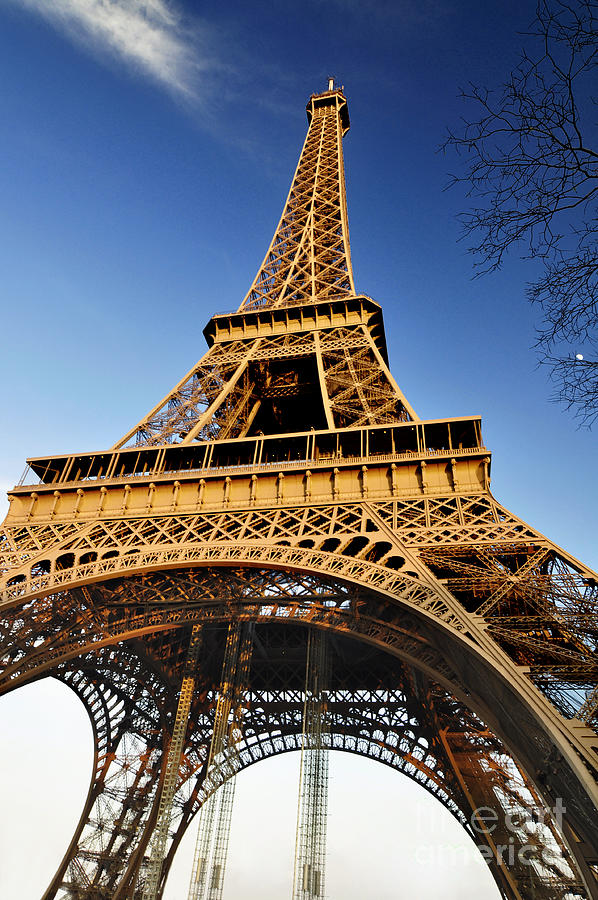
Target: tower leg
129 705
171 777
211 850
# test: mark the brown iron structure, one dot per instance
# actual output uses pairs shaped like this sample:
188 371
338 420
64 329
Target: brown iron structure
286 482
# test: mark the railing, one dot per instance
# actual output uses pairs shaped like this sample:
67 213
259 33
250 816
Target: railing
278 465
243 311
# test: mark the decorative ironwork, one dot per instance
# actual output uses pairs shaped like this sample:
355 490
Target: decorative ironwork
286 483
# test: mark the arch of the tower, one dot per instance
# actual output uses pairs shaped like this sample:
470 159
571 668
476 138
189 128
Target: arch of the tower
381 721
127 700
479 665
461 705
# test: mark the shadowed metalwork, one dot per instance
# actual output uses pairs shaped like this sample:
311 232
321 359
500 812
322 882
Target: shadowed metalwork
286 482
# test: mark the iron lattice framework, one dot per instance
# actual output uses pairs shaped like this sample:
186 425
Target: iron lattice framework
286 483
211 849
312 810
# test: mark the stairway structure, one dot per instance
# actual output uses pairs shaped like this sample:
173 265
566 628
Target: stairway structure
286 482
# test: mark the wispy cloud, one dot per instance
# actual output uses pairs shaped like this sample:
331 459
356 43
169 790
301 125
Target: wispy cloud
151 36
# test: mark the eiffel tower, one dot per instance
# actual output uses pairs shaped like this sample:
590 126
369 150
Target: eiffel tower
286 482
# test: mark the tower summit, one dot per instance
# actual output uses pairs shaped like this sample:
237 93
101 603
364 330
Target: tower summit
303 351
285 484
309 258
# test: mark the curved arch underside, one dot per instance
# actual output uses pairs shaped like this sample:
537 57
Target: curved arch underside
401 692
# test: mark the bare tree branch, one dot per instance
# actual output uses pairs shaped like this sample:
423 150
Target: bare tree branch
531 151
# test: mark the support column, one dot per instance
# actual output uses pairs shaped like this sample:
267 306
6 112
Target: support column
312 812
173 764
211 849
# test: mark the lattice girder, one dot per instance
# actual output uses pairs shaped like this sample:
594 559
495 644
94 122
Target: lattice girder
124 613
286 481
550 598
342 370
309 257
308 263
410 739
124 698
199 538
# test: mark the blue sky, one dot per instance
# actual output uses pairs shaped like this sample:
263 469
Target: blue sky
146 153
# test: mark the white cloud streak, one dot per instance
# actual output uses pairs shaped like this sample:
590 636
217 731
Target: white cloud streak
150 36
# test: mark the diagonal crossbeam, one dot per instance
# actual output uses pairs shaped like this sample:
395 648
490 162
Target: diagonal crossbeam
535 560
